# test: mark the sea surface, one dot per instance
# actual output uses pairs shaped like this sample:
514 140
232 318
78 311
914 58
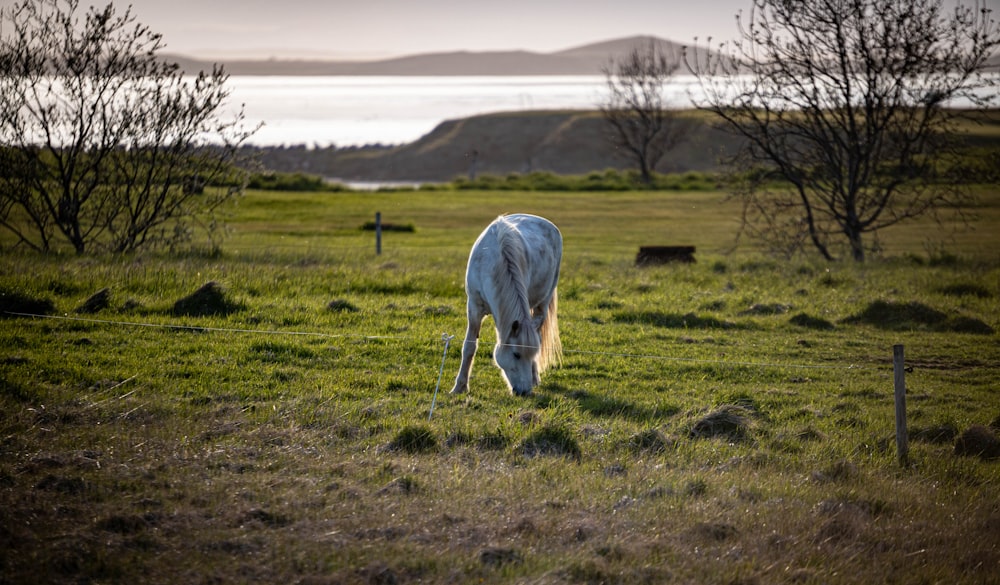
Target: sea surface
320 111
353 111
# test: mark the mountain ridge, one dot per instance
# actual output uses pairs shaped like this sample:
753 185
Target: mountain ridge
589 59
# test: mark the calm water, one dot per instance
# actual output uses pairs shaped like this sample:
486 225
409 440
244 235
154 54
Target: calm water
390 110
345 111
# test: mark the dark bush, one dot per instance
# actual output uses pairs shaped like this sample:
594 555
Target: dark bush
301 182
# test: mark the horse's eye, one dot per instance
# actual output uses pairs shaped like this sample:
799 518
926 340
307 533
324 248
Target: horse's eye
517 356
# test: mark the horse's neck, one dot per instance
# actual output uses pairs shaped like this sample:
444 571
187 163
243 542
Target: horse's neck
510 284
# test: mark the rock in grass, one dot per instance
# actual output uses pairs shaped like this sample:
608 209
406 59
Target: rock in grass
978 441
209 300
96 302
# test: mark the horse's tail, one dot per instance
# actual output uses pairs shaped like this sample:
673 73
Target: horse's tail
550 348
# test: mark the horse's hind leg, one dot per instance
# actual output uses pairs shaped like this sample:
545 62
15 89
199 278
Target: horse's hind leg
468 351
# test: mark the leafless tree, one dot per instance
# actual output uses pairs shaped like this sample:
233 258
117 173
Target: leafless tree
642 124
104 145
845 108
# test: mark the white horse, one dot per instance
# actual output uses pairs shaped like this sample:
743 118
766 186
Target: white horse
512 274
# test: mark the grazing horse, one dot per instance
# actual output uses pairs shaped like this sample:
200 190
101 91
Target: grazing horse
512 274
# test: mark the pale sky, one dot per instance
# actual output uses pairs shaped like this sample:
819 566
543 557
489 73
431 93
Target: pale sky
366 29
376 29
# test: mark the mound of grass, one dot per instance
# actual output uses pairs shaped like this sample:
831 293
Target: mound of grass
810 322
492 441
413 439
978 441
963 324
937 434
551 440
209 300
341 306
913 315
729 421
649 441
16 302
967 289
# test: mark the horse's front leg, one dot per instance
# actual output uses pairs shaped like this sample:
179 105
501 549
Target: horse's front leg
468 351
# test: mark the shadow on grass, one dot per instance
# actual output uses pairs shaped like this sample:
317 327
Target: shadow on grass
675 320
600 406
899 316
16 302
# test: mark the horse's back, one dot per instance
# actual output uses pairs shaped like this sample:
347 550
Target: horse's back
539 233
542 243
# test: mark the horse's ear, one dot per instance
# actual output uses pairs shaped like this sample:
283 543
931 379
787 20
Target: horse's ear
514 328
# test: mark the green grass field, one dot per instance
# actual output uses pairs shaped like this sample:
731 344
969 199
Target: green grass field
729 421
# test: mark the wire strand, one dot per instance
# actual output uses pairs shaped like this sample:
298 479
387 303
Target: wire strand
625 355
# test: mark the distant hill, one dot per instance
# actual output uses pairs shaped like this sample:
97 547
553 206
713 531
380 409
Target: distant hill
563 142
584 60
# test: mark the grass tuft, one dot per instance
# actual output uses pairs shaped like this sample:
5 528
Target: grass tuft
413 439
649 441
341 306
978 441
729 421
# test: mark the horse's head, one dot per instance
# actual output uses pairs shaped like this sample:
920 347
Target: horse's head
516 353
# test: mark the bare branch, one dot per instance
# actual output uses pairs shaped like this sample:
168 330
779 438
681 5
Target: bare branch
104 140
849 104
642 125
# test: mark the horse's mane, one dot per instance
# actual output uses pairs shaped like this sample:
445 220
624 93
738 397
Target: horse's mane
508 275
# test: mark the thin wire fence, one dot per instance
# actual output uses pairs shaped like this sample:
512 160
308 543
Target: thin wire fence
373 337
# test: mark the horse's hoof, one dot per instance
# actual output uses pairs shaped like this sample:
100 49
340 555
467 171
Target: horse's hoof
459 390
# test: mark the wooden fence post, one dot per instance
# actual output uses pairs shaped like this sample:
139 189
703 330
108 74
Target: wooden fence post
378 233
899 387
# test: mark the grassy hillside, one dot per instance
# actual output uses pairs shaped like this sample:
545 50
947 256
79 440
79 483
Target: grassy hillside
563 142
729 421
